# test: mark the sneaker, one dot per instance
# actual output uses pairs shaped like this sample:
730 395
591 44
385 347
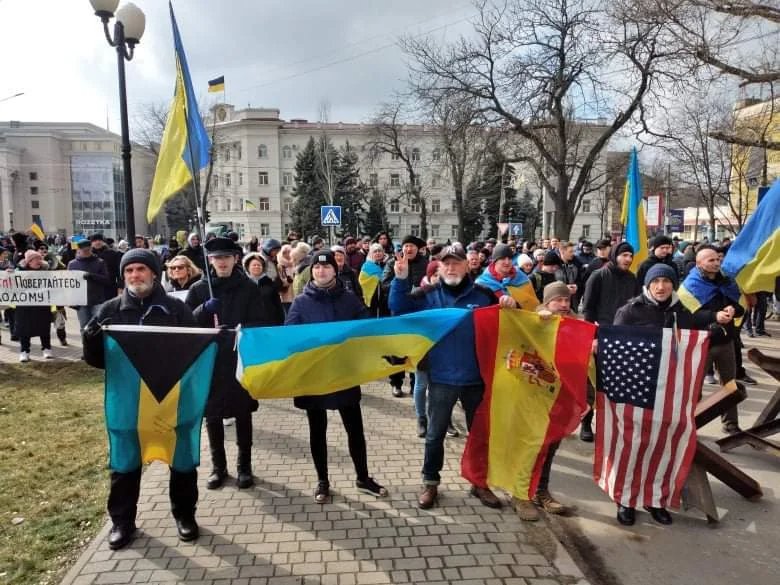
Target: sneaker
750 333
452 431
64 342
397 392
710 379
746 379
369 486
47 354
24 357
731 428
763 334
229 422
548 503
422 427
322 493
525 510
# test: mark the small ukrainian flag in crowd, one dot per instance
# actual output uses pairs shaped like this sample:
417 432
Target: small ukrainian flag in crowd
217 85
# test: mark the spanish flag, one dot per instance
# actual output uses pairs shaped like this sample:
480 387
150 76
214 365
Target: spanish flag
632 215
37 230
753 259
184 150
320 358
217 85
370 275
154 410
535 373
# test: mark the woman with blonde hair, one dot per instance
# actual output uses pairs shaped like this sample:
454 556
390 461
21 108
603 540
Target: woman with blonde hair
182 274
286 270
300 259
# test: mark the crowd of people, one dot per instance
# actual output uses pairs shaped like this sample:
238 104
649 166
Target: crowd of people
221 283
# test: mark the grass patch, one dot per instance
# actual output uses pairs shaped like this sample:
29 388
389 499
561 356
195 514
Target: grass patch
52 467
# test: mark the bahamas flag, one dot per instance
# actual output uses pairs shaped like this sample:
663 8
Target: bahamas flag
535 373
153 409
633 213
320 358
370 275
753 259
517 286
184 150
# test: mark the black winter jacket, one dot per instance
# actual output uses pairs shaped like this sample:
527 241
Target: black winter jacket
97 278
417 268
643 311
608 289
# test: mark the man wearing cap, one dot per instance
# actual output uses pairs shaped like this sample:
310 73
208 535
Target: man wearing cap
236 301
603 248
452 363
96 275
416 266
354 257
504 279
112 259
662 250
143 302
546 274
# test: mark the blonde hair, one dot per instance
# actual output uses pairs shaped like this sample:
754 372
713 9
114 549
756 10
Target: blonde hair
192 270
299 252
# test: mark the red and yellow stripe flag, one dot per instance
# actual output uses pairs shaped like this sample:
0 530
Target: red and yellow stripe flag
535 374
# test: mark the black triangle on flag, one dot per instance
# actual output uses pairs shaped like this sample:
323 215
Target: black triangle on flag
161 359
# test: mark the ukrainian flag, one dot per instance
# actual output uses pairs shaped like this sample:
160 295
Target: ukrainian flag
37 230
320 358
753 259
518 287
184 150
217 85
535 374
369 278
154 410
633 213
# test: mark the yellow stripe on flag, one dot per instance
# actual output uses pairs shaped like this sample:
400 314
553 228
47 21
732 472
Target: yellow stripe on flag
157 424
37 231
368 285
525 296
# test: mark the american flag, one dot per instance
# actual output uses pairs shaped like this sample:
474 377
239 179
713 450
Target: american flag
648 387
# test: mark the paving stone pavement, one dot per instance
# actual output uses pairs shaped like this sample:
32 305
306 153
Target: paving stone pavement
275 534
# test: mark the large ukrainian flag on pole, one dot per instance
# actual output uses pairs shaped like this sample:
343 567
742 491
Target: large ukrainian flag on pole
320 358
753 259
185 144
633 213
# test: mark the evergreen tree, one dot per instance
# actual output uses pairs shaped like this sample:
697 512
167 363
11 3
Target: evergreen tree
350 192
376 216
309 192
484 195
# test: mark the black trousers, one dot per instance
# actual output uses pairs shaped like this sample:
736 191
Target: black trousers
352 417
215 428
126 487
25 342
544 478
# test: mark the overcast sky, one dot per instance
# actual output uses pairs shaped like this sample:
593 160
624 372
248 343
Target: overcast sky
285 54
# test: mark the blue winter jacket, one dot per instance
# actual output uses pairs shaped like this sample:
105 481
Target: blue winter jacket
453 360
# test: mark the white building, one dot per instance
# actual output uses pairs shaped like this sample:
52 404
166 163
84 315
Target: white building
68 177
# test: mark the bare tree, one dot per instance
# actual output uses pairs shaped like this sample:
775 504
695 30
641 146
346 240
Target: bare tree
562 75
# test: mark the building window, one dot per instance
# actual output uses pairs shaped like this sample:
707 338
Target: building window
262 151
415 229
264 204
395 228
33 176
227 153
395 180
434 231
454 232
394 156
240 178
239 151
262 178
585 231
435 181
287 179
415 207
394 207
265 230
436 155
417 181
33 190
373 180
436 206
215 181
288 206
34 203
228 179
415 154
585 206
228 204
287 228
287 152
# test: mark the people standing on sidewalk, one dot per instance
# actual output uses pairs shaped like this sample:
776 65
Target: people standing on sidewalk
236 301
323 300
30 320
143 302
96 275
452 363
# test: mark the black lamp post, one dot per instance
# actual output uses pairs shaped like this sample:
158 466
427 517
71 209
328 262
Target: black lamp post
128 30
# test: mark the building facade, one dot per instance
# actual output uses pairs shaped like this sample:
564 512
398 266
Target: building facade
67 177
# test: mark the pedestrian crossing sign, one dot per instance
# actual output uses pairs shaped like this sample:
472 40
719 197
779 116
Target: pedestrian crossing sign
330 215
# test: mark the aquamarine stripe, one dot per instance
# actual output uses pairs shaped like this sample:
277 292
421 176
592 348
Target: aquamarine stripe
123 385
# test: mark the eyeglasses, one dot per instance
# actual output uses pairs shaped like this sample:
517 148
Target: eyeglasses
177 267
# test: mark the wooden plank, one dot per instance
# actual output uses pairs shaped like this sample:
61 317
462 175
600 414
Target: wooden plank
726 472
771 410
771 365
698 494
754 436
717 403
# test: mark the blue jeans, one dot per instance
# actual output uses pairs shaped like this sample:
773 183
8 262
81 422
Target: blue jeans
420 388
85 314
441 400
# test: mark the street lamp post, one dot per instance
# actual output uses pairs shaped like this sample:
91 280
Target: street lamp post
128 30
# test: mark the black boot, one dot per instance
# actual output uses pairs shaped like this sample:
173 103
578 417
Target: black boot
422 426
586 430
245 469
216 434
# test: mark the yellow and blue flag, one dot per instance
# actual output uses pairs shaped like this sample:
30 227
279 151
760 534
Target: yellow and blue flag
37 230
632 215
184 150
515 285
370 275
217 85
320 358
153 409
753 259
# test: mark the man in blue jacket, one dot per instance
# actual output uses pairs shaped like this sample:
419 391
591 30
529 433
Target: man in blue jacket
453 370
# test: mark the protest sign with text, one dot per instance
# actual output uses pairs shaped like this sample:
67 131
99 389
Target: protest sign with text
43 287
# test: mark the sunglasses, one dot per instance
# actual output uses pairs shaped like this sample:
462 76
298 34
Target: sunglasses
177 267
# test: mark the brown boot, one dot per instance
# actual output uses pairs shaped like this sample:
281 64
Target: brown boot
487 497
548 503
526 510
428 497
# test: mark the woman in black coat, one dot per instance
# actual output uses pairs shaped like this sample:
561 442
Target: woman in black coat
33 321
325 299
254 266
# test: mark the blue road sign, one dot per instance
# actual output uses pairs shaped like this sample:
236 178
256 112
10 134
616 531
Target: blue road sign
516 230
330 215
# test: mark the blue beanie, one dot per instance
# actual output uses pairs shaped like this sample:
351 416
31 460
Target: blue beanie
661 270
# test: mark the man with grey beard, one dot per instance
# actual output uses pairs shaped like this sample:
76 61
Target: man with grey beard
143 302
452 363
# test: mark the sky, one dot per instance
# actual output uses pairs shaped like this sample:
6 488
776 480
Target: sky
291 55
